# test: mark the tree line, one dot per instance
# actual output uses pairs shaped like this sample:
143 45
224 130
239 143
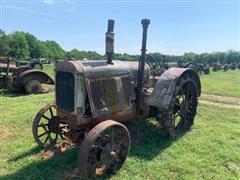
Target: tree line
21 45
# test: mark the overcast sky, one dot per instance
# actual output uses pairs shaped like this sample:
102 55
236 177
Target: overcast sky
176 26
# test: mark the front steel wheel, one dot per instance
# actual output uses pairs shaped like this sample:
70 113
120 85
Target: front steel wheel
47 128
104 150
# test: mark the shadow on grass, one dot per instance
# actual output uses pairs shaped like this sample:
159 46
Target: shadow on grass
30 152
7 93
146 144
57 167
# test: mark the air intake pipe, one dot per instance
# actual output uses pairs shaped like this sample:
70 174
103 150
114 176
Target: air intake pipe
110 41
141 64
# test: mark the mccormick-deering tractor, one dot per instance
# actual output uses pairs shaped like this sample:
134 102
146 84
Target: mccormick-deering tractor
93 98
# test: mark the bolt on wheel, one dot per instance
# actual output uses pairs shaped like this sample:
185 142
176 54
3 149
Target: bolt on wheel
47 128
104 150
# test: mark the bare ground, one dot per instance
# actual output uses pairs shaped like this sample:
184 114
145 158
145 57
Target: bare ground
220 101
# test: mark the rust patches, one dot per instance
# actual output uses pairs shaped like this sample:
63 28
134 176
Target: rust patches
166 84
106 96
105 148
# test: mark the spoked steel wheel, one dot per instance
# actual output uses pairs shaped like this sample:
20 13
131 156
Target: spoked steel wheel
183 108
104 149
47 128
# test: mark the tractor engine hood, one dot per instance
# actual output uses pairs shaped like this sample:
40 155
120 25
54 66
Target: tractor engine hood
101 69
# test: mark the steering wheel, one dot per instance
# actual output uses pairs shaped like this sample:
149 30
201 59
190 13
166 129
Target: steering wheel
152 62
156 68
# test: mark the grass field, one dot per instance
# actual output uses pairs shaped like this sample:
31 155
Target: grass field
209 151
222 83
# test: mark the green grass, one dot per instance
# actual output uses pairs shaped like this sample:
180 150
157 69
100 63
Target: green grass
209 151
222 83
49 69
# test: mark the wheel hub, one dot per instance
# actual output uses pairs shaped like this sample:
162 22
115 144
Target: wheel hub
53 125
109 154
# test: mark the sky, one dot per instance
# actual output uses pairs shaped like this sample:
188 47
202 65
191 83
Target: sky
177 26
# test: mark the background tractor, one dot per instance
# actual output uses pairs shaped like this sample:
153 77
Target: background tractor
22 78
93 98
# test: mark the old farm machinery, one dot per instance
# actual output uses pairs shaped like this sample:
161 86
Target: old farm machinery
93 98
22 78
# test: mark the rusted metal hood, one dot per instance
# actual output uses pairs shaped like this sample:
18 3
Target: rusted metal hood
99 68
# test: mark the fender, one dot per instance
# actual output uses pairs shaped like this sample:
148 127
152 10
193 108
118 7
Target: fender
33 74
20 69
166 84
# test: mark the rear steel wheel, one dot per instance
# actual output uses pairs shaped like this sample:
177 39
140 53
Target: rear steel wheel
104 149
183 108
47 128
33 86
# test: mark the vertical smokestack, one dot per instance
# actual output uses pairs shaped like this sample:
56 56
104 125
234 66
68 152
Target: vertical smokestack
141 64
110 41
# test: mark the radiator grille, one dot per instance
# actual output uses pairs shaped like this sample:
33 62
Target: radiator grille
65 91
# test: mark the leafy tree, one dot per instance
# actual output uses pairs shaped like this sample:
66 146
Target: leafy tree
74 53
34 46
25 45
19 45
4 44
92 55
52 50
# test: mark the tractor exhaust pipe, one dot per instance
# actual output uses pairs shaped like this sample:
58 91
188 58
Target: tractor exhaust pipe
110 41
141 64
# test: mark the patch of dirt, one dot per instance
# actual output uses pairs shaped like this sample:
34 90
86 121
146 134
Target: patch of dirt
220 104
47 89
58 150
4 133
221 99
232 167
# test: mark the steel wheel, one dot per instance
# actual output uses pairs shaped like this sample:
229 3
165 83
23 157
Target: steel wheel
47 129
182 109
33 86
104 149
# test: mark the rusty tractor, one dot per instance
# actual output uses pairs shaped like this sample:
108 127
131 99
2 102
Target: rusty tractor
238 65
93 98
33 63
22 78
198 67
160 67
225 67
233 66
